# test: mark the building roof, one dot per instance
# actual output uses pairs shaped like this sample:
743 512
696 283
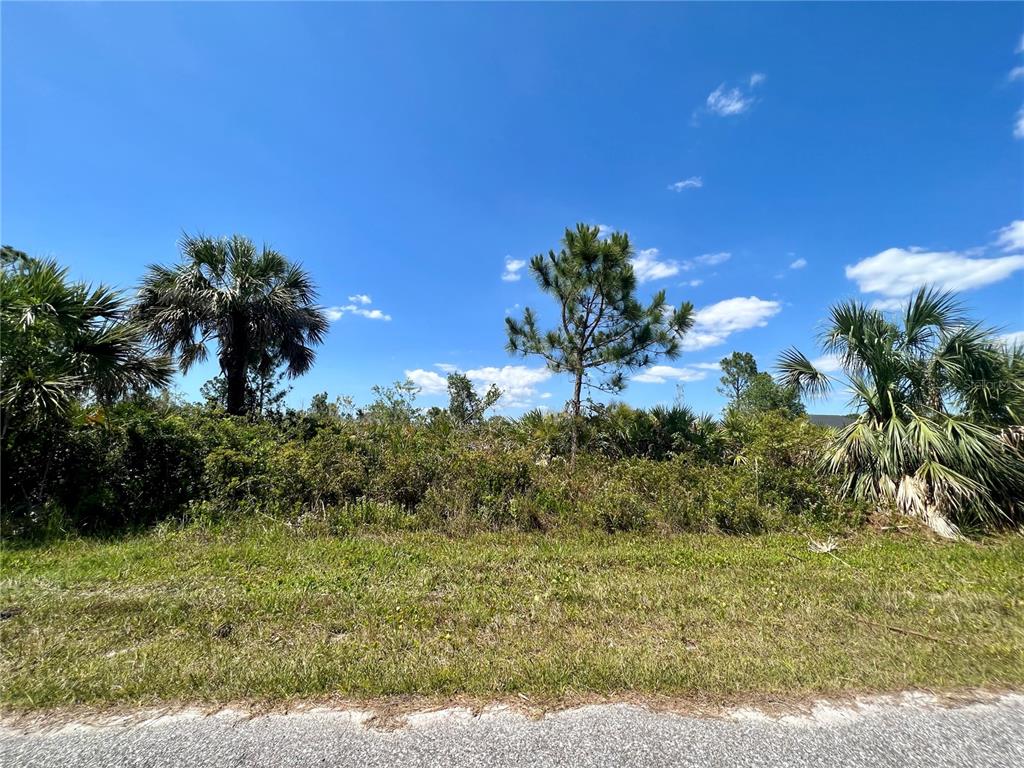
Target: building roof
829 420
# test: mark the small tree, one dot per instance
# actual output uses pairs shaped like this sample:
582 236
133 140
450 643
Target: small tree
763 394
753 391
738 370
604 330
465 406
393 405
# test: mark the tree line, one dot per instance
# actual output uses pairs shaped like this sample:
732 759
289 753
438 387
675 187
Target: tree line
939 399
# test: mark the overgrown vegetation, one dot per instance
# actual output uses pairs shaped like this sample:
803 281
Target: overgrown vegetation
240 548
332 468
87 447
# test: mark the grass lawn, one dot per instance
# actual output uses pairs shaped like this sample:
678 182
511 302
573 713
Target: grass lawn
195 616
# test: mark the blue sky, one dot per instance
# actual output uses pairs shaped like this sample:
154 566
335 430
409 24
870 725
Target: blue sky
766 160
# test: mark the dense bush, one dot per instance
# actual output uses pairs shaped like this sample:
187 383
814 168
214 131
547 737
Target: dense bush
334 469
102 469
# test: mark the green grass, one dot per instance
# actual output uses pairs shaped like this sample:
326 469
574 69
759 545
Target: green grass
195 616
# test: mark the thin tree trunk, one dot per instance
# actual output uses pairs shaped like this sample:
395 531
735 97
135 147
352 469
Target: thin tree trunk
576 394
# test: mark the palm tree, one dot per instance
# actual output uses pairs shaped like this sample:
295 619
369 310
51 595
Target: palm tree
253 302
64 341
940 401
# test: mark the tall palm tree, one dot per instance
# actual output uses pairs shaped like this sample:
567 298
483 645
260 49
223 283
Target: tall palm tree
251 301
940 402
64 341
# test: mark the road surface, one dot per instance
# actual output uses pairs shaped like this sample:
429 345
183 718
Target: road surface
908 730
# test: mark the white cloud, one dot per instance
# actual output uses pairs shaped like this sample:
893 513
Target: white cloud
715 323
360 298
1011 237
725 102
1016 73
648 266
446 367
694 182
429 382
604 231
828 363
1016 338
512 269
1018 127
897 272
518 383
711 259
336 313
659 374
798 264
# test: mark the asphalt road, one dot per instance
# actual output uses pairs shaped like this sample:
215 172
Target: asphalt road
903 731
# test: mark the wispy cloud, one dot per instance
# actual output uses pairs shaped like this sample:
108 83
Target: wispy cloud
798 264
1011 237
711 259
727 101
659 374
648 265
1017 73
512 269
694 283
694 182
828 363
337 312
604 231
1018 127
713 324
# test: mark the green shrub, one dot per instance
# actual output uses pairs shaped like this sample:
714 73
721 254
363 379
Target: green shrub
138 463
102 469
481 487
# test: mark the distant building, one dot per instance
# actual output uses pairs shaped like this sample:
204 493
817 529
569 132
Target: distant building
826 420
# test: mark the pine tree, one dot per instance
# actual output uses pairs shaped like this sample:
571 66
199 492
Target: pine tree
604 330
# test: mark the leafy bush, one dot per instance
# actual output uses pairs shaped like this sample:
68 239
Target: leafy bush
102 469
